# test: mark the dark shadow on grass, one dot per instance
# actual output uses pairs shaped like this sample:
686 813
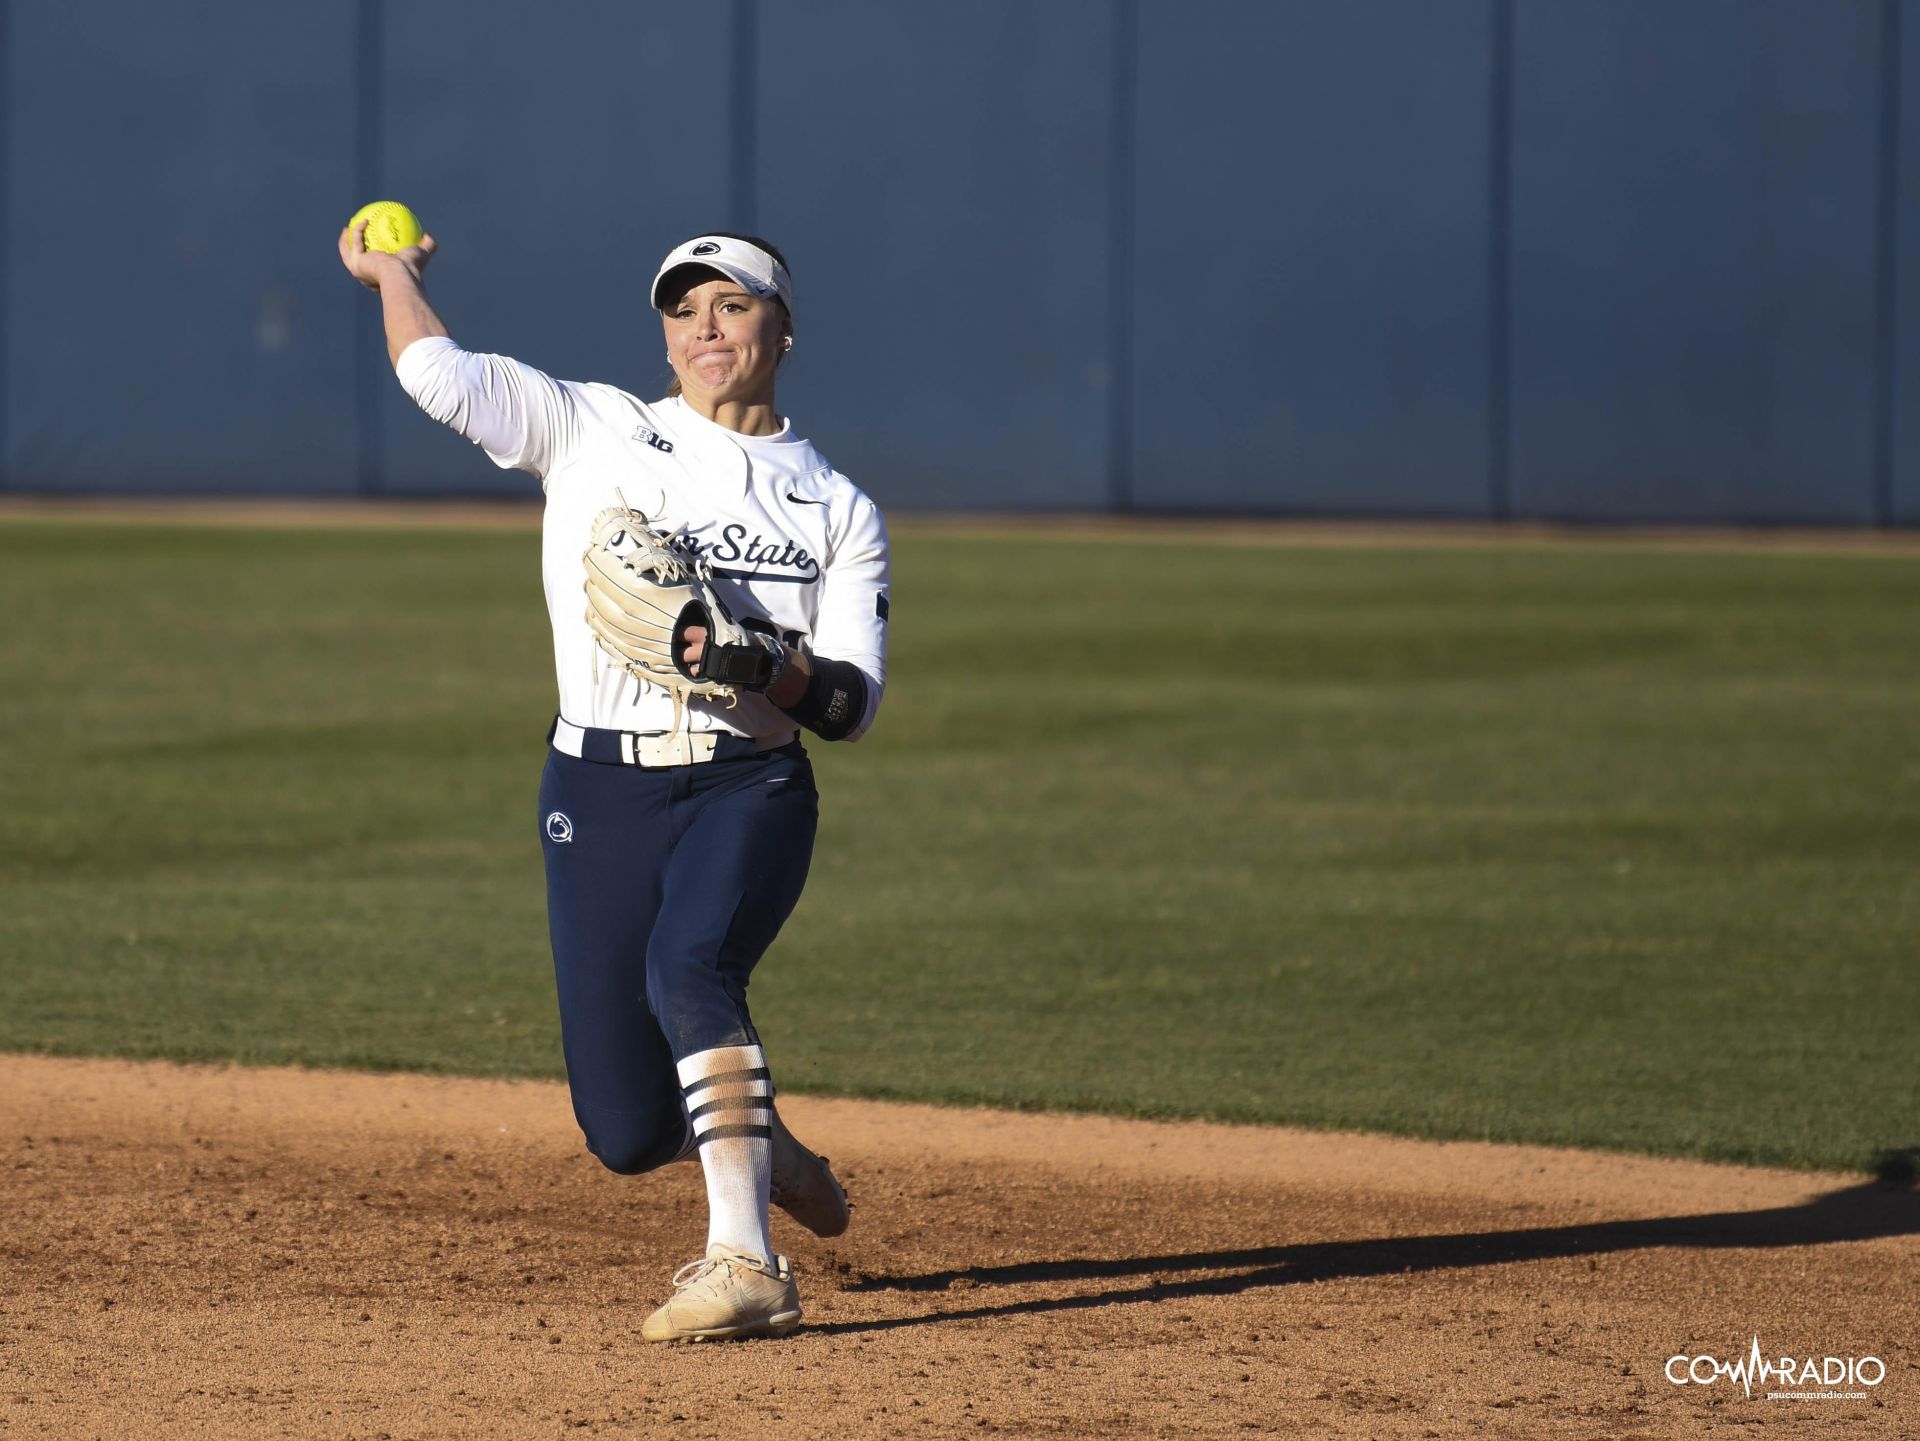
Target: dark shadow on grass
1898 1165
1858 1213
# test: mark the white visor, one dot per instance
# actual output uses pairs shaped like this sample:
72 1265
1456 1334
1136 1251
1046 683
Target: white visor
742 262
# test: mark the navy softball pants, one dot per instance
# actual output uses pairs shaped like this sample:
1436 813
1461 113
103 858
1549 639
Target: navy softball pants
664 888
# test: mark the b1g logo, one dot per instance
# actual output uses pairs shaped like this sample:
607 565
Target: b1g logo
559 828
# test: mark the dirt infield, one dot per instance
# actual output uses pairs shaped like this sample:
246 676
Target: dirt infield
224 1252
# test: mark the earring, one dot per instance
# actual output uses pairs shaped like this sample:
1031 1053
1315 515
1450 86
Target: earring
786 342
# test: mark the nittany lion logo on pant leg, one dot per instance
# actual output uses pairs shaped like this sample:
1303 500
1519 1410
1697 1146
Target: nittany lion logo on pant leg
559 828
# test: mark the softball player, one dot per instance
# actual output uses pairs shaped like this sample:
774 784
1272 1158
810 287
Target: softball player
677 832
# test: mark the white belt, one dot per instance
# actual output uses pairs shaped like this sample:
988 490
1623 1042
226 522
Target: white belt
675 748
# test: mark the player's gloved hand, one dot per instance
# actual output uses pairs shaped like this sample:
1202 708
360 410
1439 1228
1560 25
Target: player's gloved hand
370 267
753 664
654 612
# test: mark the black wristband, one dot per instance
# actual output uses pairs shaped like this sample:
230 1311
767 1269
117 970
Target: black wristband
835 700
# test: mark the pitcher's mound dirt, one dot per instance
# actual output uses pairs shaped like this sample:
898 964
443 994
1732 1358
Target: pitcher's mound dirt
224 1252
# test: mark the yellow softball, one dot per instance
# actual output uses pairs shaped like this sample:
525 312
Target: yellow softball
390 225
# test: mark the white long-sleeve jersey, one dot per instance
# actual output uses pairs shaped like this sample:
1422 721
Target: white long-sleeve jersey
790 538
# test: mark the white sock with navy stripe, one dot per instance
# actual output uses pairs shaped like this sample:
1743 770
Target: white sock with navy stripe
729 1102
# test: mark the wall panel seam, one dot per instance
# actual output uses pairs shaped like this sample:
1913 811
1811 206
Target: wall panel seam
1500 263
1887 272
370 349
6 234
1122 160
744 161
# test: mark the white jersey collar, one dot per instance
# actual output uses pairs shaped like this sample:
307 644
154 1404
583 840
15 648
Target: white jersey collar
677 406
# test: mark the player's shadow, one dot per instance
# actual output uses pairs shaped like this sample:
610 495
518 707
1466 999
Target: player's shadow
1857 1213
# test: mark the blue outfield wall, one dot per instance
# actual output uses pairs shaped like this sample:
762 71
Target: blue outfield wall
939 177
1544 258
165 325
555 152
1311 287
1693 294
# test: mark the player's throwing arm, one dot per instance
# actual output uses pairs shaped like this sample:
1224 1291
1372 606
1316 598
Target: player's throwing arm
715 589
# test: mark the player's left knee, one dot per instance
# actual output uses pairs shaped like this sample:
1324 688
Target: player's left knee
633 1144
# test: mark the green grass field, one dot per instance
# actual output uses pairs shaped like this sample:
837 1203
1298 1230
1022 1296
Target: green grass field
1587 845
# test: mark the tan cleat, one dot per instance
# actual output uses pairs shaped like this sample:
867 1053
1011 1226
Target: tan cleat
804 1185
729 1295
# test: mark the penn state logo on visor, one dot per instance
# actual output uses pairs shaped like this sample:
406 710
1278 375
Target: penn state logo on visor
705 247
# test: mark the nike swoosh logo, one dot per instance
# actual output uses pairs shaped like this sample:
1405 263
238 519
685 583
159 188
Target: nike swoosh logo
802 500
